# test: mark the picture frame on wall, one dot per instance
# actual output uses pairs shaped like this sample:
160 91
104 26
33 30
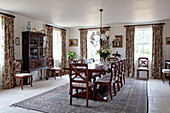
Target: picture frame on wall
167 40
17 41
73 42
117 42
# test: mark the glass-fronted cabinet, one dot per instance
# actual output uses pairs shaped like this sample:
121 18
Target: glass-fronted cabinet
33 51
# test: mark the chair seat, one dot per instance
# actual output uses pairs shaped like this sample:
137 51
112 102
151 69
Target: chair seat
105 79
83 85
55 68
142 69
165 70
96 75
23 74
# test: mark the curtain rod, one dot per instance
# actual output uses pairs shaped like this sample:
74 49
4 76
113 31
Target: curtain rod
144 24
93 28
55 27
7 15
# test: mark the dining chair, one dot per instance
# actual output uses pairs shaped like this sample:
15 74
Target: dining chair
121 73
106 80
80 61
77 80
143 66
119 67
112 59
17 72
52 68
123 69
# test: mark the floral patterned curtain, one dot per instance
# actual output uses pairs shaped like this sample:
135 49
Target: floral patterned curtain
130 67
103 31
64 58
8 54
49 41
83 43
157 51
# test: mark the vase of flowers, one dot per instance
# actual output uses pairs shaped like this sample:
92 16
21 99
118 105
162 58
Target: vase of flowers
104 53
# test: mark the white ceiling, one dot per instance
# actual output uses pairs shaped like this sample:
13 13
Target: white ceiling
74 13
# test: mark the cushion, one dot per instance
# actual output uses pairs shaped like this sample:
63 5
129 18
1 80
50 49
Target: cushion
55 68
22 74
142 68
83 85
105 79
165 70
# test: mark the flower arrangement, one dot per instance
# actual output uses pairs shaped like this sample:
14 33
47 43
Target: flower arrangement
104 52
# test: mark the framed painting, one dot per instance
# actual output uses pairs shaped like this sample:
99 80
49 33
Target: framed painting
73 42
17 41
167 40
118 41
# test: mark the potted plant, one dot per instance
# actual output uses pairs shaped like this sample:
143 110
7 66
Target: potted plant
71 55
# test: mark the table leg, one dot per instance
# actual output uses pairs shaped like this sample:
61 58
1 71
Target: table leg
41 74
47 74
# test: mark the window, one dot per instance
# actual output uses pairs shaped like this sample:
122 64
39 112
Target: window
143 42
92 48
57 45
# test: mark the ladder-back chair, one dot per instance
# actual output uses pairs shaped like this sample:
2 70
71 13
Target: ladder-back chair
78 81
143 66
17 73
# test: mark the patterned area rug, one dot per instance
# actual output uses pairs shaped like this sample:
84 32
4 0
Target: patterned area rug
132 98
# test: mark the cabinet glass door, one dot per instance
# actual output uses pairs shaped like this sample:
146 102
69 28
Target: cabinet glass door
33 47
42 47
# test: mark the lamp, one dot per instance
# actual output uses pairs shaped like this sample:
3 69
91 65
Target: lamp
99 36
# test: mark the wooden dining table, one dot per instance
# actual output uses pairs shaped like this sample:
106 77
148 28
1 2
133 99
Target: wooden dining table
93 67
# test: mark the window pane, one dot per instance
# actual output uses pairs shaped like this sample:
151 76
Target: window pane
57 45
92 48
143 42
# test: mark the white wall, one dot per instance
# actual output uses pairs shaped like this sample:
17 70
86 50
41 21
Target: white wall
166 48
74 33
118 30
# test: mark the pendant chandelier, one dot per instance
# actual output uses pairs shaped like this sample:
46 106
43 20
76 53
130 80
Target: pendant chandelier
99 36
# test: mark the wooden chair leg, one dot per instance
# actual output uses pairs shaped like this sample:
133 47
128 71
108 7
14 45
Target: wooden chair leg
54 74
77 93
118 85
22 83
31 81
71 96
121 81
87 97
124 78
147 74
60 74
137 74
110 88
163 78
95 86
114 88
